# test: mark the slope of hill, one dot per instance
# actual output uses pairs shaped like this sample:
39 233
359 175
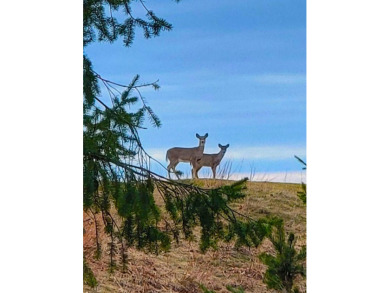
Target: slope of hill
184 267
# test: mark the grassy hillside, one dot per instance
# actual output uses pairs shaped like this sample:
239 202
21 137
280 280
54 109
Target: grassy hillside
184 267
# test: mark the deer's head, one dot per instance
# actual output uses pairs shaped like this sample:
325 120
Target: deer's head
202 139
223 148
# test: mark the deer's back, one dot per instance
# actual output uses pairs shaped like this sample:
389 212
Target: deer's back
185 154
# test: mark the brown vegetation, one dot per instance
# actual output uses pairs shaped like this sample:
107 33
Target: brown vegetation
184 267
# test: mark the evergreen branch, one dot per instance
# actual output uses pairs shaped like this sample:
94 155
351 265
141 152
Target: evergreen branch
145 173
112 95
98 248
156 176
125 86
120 233
300 160
153 116
114 88
180 190
143 4
114 112
135 133
128 10
112 21
240 214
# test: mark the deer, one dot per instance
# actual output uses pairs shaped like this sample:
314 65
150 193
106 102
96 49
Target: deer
191 155
209 160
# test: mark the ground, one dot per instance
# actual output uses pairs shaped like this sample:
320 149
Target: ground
184 267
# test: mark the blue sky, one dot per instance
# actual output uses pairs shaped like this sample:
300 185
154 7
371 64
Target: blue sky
235 70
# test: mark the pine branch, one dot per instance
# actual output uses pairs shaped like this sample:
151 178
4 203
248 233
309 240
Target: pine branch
154 119
126 86
98 248
300 160
147 108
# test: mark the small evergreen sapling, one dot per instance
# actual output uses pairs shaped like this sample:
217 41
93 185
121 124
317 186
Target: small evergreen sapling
286 264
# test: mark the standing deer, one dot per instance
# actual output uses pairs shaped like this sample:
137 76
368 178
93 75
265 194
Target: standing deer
191 155
209 160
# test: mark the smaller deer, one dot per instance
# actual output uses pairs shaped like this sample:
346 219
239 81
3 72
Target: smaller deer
191 155
210 160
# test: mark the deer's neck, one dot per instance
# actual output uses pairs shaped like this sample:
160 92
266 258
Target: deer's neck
201 148
219 157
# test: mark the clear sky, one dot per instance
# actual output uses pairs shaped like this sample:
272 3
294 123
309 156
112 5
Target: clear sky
233 69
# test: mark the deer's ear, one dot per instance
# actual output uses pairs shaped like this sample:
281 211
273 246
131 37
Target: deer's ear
219 145
206 135
227 145
197 135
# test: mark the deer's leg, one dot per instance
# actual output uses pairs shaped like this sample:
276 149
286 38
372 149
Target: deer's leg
168 169
176 174
171 166
193 166
196 167
174 168
214 168
169 173
195 172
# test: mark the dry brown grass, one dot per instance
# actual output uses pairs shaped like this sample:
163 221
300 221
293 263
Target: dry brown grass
185 267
